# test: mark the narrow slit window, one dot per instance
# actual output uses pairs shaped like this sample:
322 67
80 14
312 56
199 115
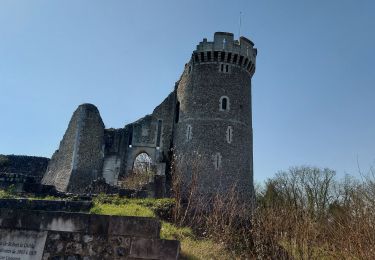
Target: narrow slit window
130 137
229 57
189 133
217 161
216 55
222 67
229 134
222 56
246 61
235 58
202 56
209 56
251 68
240 62
177 112
196 58
159 133
227 68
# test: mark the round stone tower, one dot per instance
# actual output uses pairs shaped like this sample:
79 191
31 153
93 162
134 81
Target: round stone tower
213 120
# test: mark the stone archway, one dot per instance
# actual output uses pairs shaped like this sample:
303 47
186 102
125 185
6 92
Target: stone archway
142 163
141 172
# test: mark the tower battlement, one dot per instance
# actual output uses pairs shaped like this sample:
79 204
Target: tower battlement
225 49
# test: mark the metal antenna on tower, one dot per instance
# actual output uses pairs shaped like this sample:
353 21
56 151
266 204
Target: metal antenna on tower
239 27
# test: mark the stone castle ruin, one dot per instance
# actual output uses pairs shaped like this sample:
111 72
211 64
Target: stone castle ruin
203 126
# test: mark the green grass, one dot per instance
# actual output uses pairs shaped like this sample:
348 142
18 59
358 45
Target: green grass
130 209
170 231
5 195
116 205
8 193
192 247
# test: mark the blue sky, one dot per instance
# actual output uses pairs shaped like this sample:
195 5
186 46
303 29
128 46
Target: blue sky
313 91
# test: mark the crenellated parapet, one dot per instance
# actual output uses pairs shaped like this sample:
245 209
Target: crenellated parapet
226 50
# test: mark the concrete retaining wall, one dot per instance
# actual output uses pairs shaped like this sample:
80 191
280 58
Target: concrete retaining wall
85 236
48 205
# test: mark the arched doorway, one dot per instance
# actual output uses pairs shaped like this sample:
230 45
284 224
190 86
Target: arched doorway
142 163
141 173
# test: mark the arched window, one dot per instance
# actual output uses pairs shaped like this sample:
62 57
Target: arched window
229 134
224 103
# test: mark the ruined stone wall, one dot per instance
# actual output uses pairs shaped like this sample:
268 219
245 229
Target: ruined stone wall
143 139
47 205
165 113
88 163
79 159
144 132
116 143
21 171
25 165
60 166
153 133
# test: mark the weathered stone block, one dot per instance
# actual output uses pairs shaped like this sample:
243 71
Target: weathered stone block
154 249
134 226
81 236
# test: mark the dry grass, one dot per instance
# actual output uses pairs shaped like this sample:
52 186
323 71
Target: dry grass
136 179
301 214
343 227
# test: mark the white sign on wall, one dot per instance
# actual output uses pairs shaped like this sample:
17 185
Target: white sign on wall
21 244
